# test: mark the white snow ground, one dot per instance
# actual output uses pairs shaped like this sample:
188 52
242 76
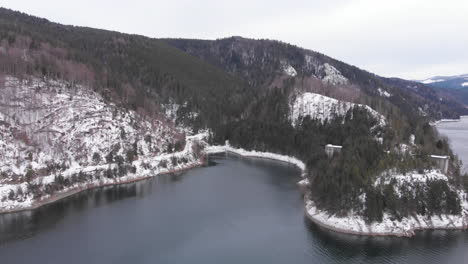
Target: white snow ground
289 70
332 75
321 107
384 93
55 128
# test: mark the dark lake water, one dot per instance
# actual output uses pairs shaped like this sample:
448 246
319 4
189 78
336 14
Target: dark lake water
457 132
234 211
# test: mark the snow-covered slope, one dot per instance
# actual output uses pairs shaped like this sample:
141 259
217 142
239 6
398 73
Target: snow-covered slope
321 107
49 122
431 80
289 70
355 224
384 93
332 76
56 137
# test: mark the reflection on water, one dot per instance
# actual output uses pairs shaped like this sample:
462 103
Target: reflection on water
234 210
25 224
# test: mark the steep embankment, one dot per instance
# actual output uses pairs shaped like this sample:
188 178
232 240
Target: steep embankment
58 138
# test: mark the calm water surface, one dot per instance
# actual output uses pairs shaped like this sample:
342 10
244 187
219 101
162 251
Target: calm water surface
457 132
233 211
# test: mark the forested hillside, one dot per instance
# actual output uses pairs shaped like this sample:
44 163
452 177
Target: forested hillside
258 94
263 63
454 87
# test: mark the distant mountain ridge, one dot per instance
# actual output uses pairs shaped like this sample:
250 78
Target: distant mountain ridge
454 87
451 82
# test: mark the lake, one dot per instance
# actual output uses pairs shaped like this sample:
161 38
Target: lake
457 132
235 210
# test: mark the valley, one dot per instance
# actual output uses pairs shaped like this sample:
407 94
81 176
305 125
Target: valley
82 108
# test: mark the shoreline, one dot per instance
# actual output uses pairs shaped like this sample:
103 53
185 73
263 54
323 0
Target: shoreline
129 178
308 204
435 123
410 232
257 154
209 150
62 195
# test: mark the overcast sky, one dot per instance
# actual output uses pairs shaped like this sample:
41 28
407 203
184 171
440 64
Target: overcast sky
412 39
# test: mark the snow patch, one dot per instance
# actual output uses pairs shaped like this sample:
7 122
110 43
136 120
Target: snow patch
145 167
355 224
332 75
411 178
384 93
289 70
429 81
54 127
321 107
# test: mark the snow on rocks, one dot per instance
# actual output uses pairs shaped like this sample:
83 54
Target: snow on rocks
289 70
422 112
55 128
48 122
321 107
304 182
384 93
332 76
145 167
171 112
355 224
410 178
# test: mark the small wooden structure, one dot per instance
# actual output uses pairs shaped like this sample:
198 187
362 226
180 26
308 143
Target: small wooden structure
442 162
332 149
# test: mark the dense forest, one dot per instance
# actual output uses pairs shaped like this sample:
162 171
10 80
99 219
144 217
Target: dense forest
241 94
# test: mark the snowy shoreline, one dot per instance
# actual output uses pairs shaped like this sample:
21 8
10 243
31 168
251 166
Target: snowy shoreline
142 174
79 189
435 123
353 224
407 227
356 225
